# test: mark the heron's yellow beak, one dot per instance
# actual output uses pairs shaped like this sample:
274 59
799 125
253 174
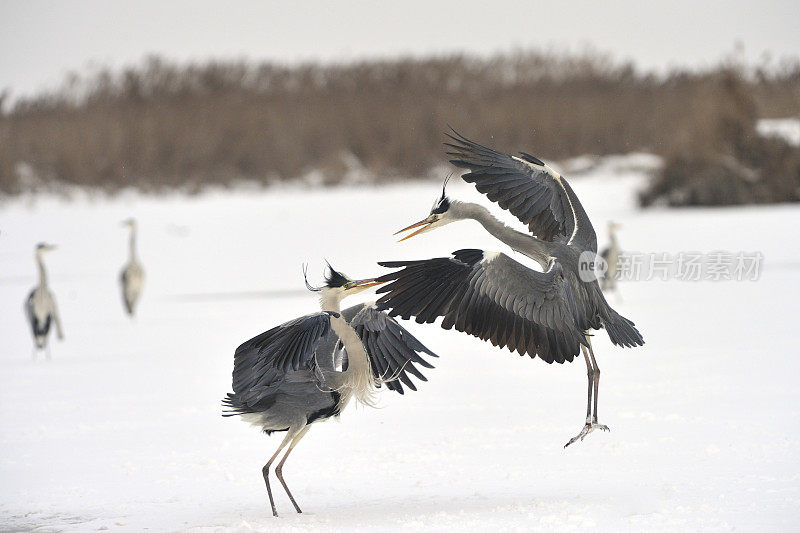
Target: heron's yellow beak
426 225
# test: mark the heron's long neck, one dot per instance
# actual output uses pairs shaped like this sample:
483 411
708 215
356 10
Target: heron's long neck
42 271
521 242
612 236
357 379
132 243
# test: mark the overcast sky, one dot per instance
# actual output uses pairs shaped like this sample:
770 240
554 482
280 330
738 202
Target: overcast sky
41 40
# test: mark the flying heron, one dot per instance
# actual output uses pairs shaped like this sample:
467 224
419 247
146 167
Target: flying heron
308 369
491 296
610 255
40 307
131 278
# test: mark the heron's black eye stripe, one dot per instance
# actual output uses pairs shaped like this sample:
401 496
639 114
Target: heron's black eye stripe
442 206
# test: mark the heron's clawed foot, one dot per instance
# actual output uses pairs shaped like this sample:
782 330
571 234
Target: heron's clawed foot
588 428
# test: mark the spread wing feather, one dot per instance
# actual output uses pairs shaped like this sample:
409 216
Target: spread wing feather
393 352
527 188
260 364
489 296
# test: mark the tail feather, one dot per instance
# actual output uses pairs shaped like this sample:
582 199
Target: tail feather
622 331
233 405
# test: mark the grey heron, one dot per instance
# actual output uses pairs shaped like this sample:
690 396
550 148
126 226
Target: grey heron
308 369
40 307
491 296
131 278
610 255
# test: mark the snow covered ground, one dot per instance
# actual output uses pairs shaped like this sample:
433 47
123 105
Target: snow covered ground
785 128
121 430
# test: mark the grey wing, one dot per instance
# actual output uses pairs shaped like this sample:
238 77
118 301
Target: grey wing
123 281
492 297
393 352
260 364
28 307
56 316
528 188
329 352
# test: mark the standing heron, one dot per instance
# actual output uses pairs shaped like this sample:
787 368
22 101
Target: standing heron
610 255
307 370
131 278
491 296
40 307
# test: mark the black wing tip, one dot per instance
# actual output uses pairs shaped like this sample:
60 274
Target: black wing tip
453 134
391 264
463 141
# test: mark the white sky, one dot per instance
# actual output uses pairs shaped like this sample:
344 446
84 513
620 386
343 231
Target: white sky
40 40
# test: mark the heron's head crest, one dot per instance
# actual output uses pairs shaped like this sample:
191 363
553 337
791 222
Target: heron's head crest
335 279
443 202
305 277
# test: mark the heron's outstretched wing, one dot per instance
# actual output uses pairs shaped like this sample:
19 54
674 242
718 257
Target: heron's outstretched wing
492 297
393 352
259 365
528 188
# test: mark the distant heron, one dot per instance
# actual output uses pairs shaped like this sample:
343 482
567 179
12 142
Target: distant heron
40 307
307 370
610 255
131 278
493 297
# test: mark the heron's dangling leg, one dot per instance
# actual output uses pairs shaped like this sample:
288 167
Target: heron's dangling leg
593 375
590 379
265 471
279 468
596 389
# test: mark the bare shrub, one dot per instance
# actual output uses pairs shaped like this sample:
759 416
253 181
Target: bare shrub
722 160
166 126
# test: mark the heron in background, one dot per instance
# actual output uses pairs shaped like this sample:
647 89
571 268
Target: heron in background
40 307
489 295
132 276
308 369
610 255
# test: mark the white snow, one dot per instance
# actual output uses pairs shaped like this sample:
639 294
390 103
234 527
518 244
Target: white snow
787 129
121 430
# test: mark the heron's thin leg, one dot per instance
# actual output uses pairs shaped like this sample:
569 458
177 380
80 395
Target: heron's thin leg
593 372
279 468
265 471
596 388
590 374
